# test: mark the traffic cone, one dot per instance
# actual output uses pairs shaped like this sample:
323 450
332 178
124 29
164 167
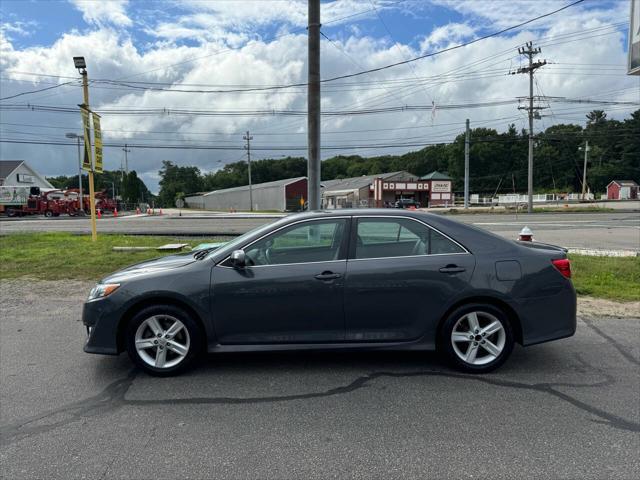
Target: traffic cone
115 212
99 213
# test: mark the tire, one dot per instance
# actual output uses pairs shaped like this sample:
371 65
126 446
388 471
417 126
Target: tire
483 353
48 213
180 348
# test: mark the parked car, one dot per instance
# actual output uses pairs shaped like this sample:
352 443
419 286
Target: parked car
381 279
406 203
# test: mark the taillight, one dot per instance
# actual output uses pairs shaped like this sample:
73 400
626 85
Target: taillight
563 265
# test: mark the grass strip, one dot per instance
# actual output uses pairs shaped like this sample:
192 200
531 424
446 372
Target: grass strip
60 255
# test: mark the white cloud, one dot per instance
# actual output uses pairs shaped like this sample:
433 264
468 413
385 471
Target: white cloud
104 12
447 34
228 52
22 29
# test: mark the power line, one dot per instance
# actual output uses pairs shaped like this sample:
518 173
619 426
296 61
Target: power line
37 91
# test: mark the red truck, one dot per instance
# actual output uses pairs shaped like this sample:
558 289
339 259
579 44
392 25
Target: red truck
51 203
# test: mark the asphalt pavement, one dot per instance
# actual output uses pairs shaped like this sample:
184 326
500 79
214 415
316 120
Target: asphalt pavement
566 409
607 230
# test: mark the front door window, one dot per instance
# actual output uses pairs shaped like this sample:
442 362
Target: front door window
314 241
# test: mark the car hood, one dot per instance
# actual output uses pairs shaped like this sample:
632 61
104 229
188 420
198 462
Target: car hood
169 262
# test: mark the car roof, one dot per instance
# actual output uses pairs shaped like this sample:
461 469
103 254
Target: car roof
366 211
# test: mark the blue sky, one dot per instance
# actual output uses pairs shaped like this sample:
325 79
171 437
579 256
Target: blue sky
186 42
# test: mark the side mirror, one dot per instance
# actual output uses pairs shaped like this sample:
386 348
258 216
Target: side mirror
238 259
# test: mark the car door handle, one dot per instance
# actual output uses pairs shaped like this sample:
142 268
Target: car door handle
452 269
327 276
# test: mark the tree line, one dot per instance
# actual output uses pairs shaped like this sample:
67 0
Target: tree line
128 186
498 162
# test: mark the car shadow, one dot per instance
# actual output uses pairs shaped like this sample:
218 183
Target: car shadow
540 359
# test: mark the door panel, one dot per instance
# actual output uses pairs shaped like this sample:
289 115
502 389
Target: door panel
399 298
279 303
291 291
401 276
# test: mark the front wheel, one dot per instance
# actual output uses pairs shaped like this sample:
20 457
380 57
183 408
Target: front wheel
477 338
163 340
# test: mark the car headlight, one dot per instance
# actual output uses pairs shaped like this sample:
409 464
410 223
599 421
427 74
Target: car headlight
102 290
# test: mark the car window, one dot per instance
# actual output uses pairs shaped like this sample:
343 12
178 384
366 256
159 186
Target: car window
439 244
313 241
399 237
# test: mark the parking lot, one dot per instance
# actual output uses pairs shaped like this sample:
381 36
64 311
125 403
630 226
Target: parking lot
567 409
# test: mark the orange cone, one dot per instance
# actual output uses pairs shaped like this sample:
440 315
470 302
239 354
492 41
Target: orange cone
99 213
115 212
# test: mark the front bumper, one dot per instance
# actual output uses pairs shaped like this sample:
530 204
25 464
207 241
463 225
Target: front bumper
101 322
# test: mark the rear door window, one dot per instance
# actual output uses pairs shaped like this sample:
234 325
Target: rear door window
399 237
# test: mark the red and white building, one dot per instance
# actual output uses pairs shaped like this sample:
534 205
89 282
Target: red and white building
622 190
385 189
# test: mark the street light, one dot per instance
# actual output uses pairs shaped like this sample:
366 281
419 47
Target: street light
80 198
79 63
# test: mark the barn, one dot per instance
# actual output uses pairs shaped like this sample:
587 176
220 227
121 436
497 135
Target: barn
622 190
281 195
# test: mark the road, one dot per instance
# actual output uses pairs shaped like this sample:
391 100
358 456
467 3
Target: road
567 409
615 230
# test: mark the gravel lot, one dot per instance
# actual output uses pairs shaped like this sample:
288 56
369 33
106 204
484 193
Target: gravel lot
567 409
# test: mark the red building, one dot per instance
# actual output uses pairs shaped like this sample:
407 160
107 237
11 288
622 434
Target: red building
622 190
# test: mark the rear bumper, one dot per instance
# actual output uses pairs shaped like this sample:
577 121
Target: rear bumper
102 327
549 317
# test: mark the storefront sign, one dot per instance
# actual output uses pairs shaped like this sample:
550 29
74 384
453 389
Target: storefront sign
440 186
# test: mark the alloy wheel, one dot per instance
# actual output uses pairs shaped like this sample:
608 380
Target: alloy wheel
478 338
162 341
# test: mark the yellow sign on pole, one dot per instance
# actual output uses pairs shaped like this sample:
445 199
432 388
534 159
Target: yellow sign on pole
97 138
86 123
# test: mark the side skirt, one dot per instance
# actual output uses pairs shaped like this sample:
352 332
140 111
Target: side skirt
414 345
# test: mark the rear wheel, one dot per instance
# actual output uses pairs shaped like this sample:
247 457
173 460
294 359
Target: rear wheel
477 338
48 214
163 340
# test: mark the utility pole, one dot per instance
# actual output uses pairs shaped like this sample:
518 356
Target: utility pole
126 158
584 170
80 64
466 165
124 169
313 105
530 52
80 199
247 147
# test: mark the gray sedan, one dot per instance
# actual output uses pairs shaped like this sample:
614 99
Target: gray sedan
345 279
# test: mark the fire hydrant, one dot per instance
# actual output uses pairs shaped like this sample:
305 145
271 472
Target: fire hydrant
526 235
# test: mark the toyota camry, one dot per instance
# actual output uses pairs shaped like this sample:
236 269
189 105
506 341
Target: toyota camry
334 280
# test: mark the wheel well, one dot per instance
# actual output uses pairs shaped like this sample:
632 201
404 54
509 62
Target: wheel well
149 302
514 320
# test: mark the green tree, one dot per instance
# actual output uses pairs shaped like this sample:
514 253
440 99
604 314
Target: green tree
174 179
